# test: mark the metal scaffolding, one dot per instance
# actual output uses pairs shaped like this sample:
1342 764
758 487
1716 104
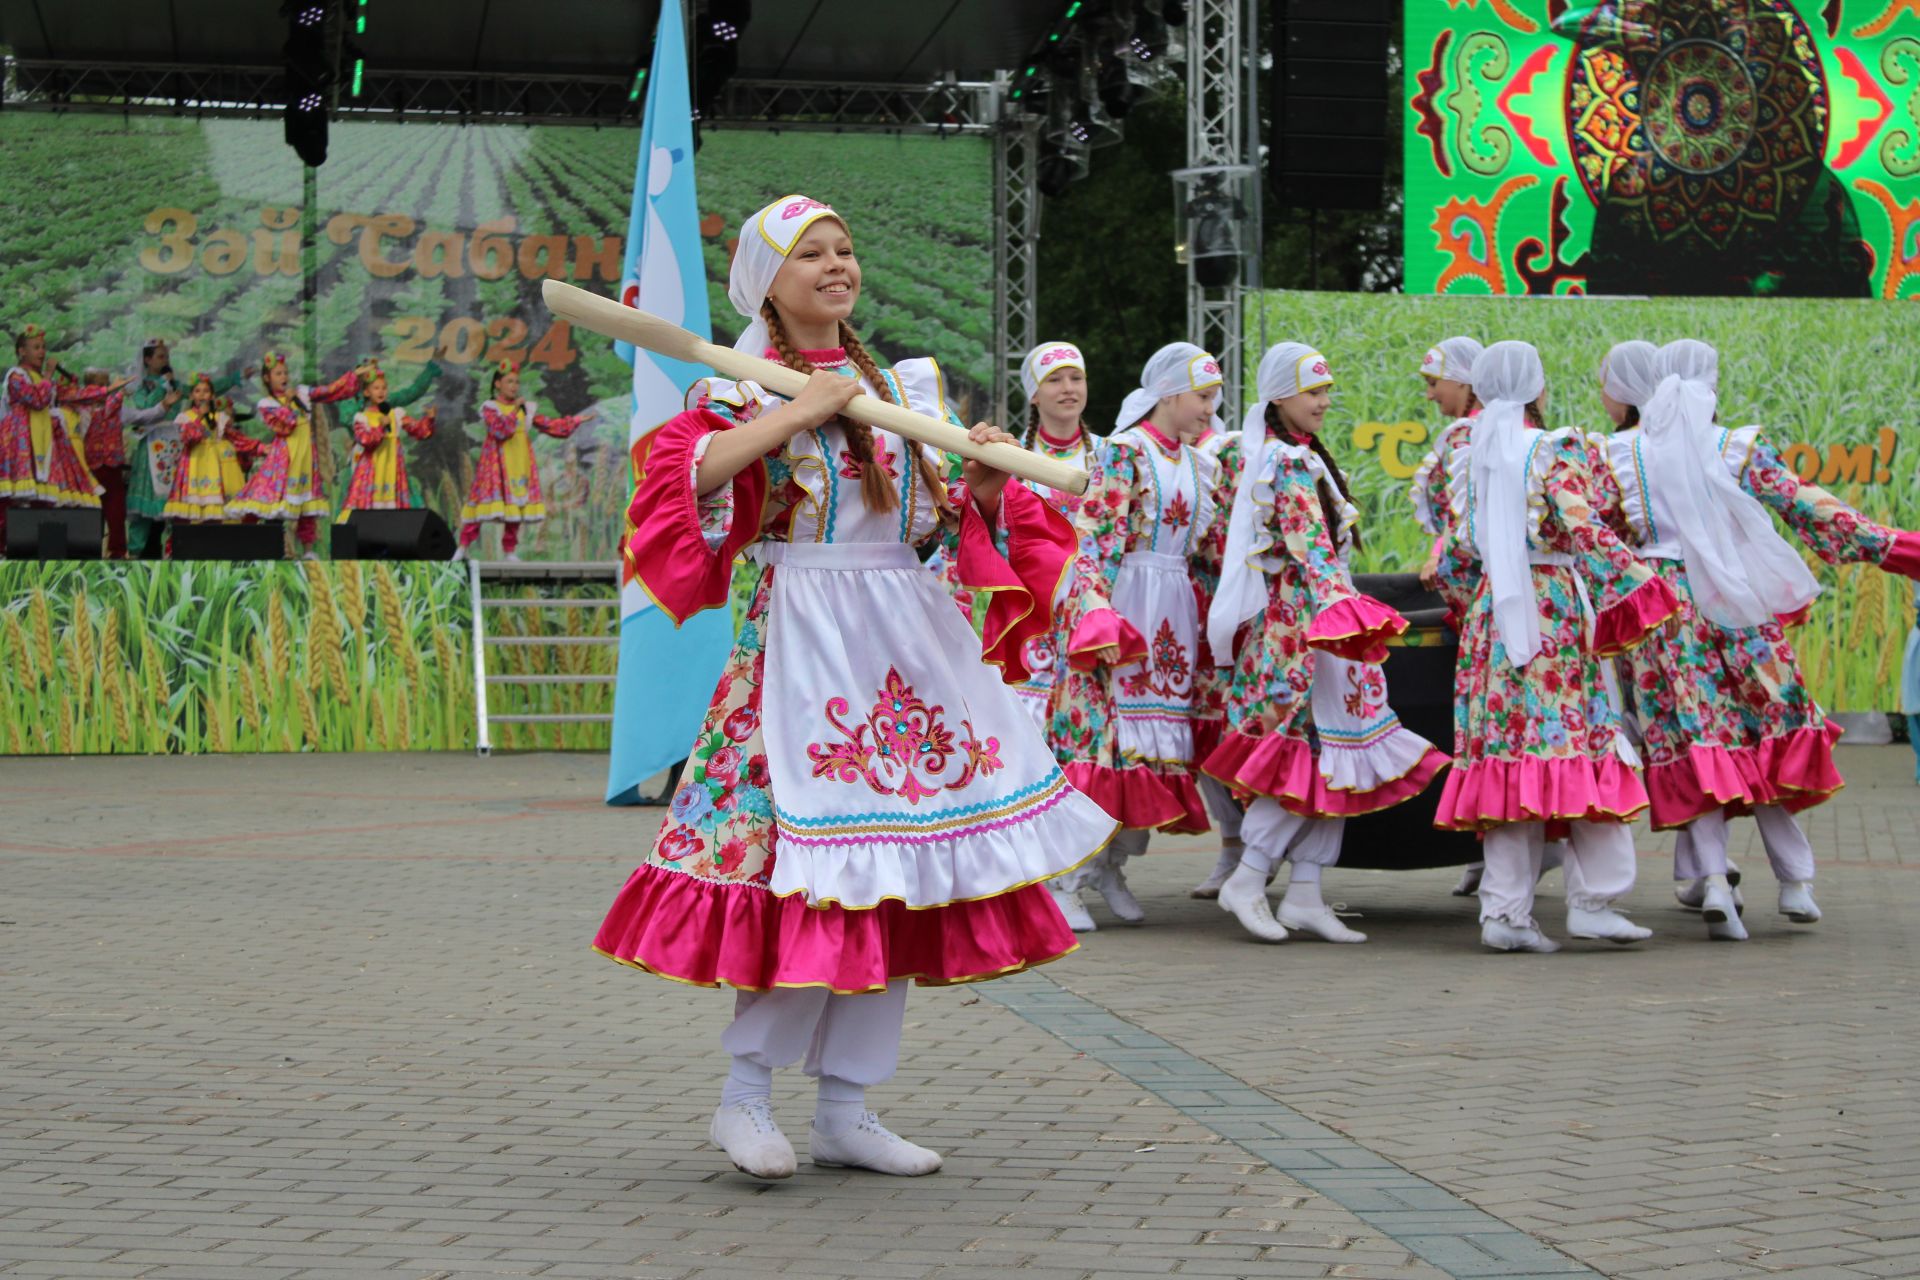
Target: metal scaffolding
1016 246
1222 48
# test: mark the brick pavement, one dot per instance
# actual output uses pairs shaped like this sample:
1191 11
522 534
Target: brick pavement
334 1016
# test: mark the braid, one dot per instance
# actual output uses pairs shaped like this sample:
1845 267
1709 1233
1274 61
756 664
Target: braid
1033 426
1329 508
922 464
874 487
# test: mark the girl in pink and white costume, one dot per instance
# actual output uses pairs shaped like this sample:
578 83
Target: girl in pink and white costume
1054 377
1536 739
866 803
285 483
1121 715
1310 737
1699 497
1210 681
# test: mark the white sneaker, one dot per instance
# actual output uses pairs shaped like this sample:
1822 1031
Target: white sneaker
310 554
870 1145
1694 892
1722 913
1112 884
1209 889
1068 900
747 1133
512 557
459 554
1319 921
1604 924
1501 936
1248 904
1469 882
1796 901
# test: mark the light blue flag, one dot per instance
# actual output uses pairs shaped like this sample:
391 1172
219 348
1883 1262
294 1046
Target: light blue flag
666 676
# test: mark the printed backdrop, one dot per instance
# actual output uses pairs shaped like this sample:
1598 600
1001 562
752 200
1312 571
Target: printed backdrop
1833 381
433 242
1743 147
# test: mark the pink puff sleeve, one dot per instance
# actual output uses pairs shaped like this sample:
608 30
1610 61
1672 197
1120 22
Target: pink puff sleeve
669 552
1020 587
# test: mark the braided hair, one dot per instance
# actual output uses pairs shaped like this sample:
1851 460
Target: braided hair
876 486
1329 508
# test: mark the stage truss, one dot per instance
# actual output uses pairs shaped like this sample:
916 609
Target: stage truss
1222 132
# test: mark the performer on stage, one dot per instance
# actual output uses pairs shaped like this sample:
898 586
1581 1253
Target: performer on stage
39 463
1310 735
1054 376
379 479
404 398
506 484
1536 741
1698 494
866 802
1121 715
101 426
208 479
286 483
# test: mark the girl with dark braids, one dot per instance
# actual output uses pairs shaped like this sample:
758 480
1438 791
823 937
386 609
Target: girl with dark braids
1310 739
866 802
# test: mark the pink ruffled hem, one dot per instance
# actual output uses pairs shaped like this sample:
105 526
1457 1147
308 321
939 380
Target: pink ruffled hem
1284 769
1706 778
1625 624
696 931
1904 558
1797 768
1493 793
1135 796
1097 630
1356 629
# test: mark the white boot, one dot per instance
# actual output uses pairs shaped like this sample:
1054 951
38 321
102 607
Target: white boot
1796 901
871 1145
1068 900
1303 910
1605 924
1692 893
1112 885
1501 936
1244 897
1720 911
512 557
1469 882
1209 889
459 553
747 1133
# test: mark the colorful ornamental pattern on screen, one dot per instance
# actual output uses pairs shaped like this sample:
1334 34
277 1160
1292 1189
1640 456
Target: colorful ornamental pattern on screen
1722 147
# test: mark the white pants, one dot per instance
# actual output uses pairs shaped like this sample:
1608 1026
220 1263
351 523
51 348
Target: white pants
1599 868
1226 811
1273 833
1701 847
853 1038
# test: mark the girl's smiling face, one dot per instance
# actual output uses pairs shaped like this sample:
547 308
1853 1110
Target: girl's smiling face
1063 395
507 386
820 280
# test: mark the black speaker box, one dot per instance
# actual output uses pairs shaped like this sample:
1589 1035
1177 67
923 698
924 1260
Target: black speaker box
416 534
54 533
1327 149
227 541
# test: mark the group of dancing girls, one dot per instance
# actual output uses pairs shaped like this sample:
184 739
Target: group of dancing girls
64 443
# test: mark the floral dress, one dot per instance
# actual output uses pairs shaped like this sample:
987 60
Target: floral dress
1210 681
285 483
1309 662
506 485
1040 657
1433 502
209 478
379 480
1541 743
1731 701
1125 733
39 462
865 800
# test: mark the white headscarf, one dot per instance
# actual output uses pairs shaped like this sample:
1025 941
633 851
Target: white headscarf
1452 360
1742 572
1631 372
1287 369
765 241
1045 359
1507 377
1175 368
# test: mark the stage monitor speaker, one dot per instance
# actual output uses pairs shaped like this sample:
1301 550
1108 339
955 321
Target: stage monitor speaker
227 541
417 534
53 533
1328 146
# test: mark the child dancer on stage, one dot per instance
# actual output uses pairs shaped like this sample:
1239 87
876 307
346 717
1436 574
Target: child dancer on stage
39 464
866 802
506 485
1054 376
102 429
1121 717
1699 495
1310 736
285 484
379 479
208 478
1536 741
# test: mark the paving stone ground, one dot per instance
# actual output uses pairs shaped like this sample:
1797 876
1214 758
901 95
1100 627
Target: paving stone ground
335 1017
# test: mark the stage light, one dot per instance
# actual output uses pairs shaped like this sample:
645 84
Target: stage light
717 53
639 85
310 71
359 69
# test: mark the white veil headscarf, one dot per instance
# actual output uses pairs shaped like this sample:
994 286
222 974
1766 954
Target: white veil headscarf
1507 377
1175 368
1287 369
765 241
1631 372
1451 360
1741 570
